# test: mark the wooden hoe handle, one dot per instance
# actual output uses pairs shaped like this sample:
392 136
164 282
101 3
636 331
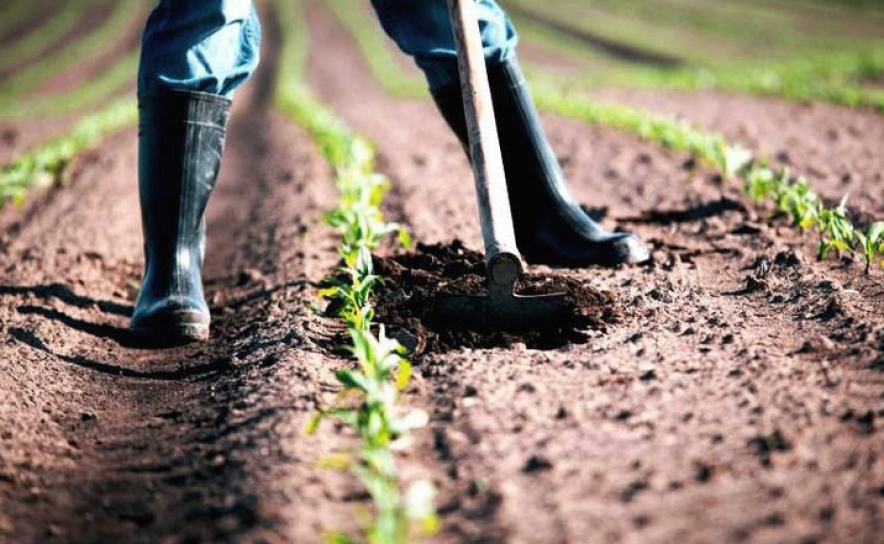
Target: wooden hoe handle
501 255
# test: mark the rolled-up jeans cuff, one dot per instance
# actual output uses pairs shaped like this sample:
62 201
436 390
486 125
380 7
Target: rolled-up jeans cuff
211 47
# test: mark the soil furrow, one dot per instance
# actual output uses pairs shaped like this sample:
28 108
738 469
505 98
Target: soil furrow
17 137
36 19
720 408
104 441
89 21
83 72
622 51
836 147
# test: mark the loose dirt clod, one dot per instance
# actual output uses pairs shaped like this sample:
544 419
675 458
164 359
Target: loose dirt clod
415 280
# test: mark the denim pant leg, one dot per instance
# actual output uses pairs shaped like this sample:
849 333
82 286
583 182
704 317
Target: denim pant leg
211 46
422 29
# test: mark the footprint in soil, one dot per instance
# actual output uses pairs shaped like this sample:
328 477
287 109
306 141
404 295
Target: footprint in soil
415 281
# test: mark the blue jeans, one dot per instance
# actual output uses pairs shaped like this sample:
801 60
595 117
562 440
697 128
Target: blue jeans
213 46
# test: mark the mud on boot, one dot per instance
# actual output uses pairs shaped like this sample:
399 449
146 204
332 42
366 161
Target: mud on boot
181 140
551 228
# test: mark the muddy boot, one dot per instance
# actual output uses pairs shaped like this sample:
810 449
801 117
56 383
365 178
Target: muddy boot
551 228
181 139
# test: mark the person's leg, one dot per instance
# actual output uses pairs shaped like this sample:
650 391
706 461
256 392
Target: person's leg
208 46
195 53
423 30
551 228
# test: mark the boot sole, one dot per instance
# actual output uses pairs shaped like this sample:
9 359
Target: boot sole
173 329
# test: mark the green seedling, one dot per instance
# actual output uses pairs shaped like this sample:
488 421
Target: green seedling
760 185
871 243
792 197
368 403
798 201
836 230
46 164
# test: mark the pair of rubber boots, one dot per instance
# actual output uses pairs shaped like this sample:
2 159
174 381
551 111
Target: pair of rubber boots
181 143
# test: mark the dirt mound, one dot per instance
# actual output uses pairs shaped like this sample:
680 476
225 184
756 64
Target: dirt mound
415 281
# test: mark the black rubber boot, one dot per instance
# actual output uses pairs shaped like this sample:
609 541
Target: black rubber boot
181 139
551 228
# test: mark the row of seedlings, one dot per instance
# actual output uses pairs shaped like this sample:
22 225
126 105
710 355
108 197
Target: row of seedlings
791 195
369 402
47 163
15 103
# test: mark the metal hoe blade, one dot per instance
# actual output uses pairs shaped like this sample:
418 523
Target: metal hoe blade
501 309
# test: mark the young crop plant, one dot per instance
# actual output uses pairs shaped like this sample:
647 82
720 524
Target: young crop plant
368 403
836 230
792 197
46 164
871 244
802 205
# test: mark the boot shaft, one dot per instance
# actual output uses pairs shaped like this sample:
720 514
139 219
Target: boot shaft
534 177
181 141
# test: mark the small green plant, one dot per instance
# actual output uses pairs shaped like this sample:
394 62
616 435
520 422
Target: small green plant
761 184
368 403
796 199
793 198
46 164
836 230
871 243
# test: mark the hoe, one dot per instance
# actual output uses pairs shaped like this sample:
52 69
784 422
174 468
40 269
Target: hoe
501 308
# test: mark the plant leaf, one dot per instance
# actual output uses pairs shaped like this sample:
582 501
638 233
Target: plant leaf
352 379
404 375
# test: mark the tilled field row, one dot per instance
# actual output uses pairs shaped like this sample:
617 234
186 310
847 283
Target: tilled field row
734 398
106 441
686 399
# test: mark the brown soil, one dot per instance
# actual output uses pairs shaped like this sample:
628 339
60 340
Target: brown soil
105 442
737 396
732 402
415 282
